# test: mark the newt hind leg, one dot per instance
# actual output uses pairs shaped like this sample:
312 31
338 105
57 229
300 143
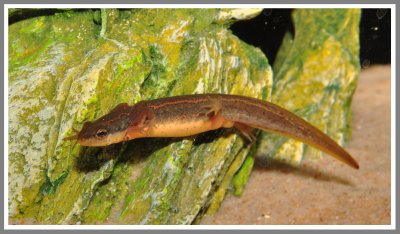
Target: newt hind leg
217 120
245 130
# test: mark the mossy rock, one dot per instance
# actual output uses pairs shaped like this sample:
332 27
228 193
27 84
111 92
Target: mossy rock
315 76
74 66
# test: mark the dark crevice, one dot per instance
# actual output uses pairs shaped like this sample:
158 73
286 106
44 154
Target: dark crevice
266 31
375 37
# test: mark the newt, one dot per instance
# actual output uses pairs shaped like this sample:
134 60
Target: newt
187 115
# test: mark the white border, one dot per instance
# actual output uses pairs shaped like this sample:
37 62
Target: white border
5 145
203 227
393 116
338 6
199 227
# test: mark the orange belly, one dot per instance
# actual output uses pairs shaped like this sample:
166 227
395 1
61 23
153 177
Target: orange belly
181 129
189 127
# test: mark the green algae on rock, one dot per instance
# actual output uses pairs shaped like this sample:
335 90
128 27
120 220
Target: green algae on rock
73 67
316 73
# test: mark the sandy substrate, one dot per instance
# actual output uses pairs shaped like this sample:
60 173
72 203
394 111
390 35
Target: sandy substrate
325 191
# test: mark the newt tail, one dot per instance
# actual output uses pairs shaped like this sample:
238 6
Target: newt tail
182 116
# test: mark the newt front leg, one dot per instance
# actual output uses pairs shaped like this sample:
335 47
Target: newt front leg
182 116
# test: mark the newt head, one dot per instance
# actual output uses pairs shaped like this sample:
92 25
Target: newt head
109 129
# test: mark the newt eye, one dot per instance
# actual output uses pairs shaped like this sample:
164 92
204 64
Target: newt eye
101 133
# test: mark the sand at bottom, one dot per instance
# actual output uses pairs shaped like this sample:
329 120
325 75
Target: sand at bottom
325 191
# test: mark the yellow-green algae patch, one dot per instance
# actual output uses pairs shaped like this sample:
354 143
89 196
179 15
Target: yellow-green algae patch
316 71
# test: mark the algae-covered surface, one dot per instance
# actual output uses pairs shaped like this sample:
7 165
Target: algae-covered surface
315 75
75 66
